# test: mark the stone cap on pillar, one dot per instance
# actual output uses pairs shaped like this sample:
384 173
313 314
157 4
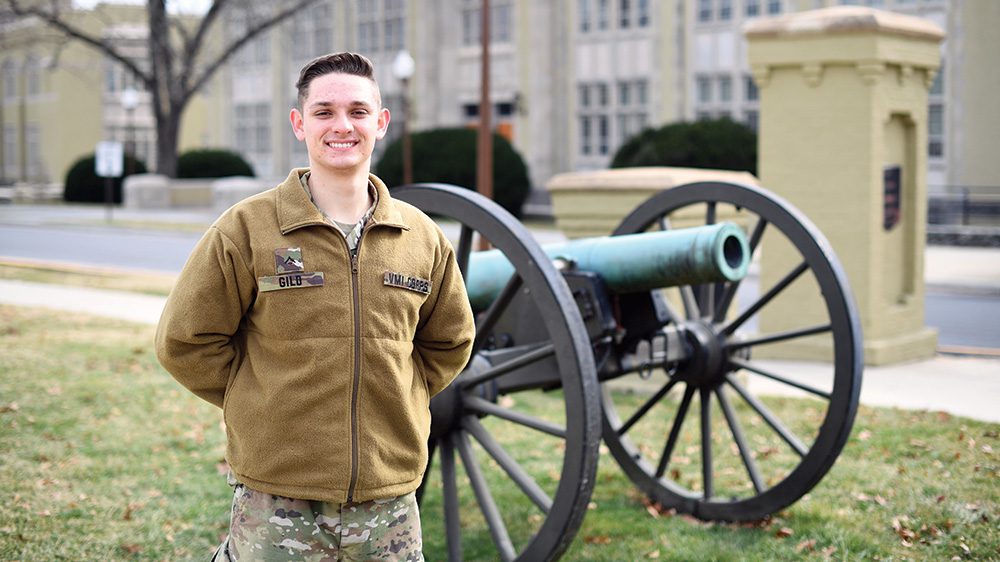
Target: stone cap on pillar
843 19
867 37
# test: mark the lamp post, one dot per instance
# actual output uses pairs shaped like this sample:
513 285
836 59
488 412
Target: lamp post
402 68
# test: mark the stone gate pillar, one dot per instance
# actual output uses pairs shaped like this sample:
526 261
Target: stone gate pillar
843 136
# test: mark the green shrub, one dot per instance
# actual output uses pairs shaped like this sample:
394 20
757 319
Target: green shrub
449 156
212 163
83 185
720 144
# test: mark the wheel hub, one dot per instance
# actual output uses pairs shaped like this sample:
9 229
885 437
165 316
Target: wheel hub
447 406
707 363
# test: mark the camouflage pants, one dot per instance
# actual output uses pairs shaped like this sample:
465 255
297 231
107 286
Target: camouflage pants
266 527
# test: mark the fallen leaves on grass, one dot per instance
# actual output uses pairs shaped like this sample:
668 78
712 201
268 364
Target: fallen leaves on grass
901 525
597 539
808 545
656 510
784 532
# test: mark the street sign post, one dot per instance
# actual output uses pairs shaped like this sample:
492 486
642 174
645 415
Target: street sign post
109 164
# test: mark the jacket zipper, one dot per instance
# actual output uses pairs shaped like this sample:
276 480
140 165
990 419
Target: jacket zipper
355 389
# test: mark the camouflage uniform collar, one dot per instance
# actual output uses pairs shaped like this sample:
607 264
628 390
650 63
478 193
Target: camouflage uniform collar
295 208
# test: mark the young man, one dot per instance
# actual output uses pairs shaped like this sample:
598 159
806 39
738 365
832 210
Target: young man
321 316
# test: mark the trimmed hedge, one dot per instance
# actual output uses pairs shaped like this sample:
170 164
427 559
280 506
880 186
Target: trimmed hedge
448 155
719 144
212 163
83 185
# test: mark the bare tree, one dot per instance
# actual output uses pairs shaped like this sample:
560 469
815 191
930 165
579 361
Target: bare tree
180 62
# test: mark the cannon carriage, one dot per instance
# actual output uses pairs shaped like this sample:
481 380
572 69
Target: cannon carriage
655 343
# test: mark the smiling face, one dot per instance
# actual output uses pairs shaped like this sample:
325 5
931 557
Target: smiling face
339 121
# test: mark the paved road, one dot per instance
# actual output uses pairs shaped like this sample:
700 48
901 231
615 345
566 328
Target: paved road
112 247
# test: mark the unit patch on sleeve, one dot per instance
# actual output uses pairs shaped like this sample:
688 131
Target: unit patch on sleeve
410 282
290 268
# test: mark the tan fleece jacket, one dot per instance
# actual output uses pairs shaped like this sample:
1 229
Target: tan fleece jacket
324 382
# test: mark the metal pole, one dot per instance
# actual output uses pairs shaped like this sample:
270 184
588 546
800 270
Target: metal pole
108 190
484 146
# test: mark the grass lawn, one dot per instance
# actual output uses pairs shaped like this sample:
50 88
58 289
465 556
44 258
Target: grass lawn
83 276
104 457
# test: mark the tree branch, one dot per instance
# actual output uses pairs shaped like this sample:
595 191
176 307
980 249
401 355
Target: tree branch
55 20
251 33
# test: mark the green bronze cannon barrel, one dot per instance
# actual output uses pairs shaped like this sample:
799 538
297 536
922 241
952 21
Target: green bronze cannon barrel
631 263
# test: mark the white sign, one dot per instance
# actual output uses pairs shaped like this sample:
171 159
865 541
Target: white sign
109 159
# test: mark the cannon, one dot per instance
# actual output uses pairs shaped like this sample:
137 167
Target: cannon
572 349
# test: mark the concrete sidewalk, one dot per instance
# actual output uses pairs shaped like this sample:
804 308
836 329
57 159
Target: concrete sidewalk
960 385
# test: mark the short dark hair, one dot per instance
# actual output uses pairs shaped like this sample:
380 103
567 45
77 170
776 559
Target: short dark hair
344 63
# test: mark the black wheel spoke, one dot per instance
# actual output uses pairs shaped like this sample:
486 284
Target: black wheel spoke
780 286
498 530
726 299
431 449
756 235
495 311
706 302
646 407
464 250
780 336
741 442
537 354
452 522
774 376
731 288
691 308
478 405
523 480
706 441
675 432
710 213
786 434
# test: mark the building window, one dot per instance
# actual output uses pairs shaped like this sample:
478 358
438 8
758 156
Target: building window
751 118
752 8
394 32
704 86
8 74
640 93
602 14
33 145
624 17
725 89
253 128
602 95
610 114
642 11
935 130
624 91
725 10
603 134
750 92
312 32
704 10
500 22
32 76
703 115
10 156
773 7
584 8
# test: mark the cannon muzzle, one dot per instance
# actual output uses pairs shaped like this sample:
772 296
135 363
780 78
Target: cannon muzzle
631 263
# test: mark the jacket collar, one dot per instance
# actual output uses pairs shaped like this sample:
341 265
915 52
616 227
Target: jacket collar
295 210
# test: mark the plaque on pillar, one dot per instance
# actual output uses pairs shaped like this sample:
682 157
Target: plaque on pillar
890 199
